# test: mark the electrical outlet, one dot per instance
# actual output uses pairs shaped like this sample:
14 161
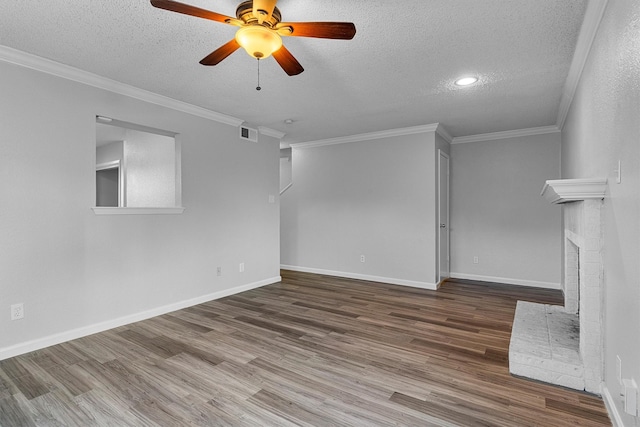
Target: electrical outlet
241 268
362 259
219 271
475 259
17 311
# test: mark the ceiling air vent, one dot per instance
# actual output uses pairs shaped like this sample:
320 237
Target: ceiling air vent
248 134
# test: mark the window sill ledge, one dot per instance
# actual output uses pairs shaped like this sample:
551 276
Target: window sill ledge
137 211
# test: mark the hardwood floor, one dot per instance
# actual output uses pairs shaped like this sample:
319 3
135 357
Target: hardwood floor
311 350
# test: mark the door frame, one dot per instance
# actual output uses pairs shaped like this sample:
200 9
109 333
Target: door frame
115 164
441 155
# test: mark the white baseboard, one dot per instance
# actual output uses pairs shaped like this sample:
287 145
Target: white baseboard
612 409
508 281
61 337
390 280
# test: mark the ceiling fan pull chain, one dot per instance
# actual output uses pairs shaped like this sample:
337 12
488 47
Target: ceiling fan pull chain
258 87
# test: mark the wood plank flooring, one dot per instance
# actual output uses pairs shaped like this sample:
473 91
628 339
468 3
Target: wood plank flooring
312 351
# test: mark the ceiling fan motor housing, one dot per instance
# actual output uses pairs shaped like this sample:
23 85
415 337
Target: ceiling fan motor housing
244 12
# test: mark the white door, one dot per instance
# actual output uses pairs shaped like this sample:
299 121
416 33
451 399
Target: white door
443 216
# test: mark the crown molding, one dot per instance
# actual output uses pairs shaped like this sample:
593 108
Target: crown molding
271 132
506 134
368 136
559 191
444 133
48 66
590 24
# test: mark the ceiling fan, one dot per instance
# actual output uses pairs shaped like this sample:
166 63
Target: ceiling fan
261 30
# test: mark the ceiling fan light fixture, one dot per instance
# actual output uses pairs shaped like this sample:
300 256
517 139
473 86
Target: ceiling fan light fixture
466 81
259 42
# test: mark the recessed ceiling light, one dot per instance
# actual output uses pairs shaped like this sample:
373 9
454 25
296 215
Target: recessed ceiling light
288 121
466 81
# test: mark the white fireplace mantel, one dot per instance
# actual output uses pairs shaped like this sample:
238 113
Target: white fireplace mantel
559 191
563 345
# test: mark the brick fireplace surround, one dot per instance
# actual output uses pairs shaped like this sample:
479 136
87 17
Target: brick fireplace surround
563 345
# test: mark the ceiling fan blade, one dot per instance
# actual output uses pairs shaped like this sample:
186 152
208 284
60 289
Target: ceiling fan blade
322 30
186 9
289 64
263 9
221 53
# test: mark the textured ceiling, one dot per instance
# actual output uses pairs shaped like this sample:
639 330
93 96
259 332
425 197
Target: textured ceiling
398 71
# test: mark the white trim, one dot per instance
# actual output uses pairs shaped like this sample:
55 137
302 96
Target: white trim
440 221
370 136
506 280
392 281
612 409
61 337
271 132
558 191
286 188
37 63
177 140
108 165
99 210
444 133
542 130
590 24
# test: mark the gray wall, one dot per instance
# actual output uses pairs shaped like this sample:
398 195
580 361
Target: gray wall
110 152
74 270
374 198
285 168
602 128
150 169
497 213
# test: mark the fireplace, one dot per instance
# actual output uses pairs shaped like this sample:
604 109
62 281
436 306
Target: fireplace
563 345
571 283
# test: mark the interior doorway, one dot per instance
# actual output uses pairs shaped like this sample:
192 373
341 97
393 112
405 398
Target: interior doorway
108 185
443 217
